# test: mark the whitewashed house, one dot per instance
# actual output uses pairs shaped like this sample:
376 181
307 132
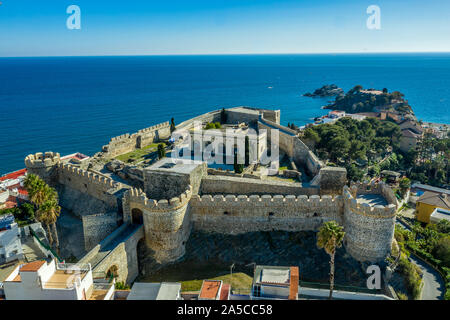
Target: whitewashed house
10 245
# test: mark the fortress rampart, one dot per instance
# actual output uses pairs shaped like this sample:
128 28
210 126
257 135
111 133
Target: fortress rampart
127 143
246 186
239 214
292 145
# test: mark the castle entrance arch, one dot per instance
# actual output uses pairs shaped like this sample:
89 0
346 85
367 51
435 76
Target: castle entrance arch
113 272
137 216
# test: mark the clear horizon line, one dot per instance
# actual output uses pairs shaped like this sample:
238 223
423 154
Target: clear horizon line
224 54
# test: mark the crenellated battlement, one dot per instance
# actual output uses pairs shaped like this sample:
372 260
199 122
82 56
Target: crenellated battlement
129 142
378 211
155 127
137 196
301 200
121 138
39 160
87 177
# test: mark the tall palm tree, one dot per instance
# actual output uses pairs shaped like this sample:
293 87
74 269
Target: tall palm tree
45 199
330 238
41 216
50 211
32 184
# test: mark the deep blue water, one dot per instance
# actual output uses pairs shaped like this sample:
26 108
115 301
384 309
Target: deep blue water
71 104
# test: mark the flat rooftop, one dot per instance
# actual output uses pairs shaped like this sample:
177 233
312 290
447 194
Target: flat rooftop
210 289
62 279
372 199
174 165
154 291
272 275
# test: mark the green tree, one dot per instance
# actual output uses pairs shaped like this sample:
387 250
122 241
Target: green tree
161 150
339 147
172 125
311 135
247 151
329 238
238 167
441 250
404 185
48 214
223 116
45 198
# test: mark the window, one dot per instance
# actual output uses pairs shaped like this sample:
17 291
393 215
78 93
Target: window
257 291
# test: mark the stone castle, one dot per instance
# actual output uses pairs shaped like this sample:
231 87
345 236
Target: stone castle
161 203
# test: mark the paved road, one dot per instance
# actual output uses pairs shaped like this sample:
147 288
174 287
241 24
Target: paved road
434 286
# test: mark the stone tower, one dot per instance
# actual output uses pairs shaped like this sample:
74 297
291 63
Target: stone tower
44 165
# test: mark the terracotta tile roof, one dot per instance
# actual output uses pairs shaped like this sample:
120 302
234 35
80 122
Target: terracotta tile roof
210 289
293 283
13 175
435 199
225 291
10 204
32 266
17 279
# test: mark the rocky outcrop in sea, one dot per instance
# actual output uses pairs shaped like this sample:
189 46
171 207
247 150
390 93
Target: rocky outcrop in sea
329 90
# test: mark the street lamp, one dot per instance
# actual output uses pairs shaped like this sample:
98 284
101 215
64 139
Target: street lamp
231 273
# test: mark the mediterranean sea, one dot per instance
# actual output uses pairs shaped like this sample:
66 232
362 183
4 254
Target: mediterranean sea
76 104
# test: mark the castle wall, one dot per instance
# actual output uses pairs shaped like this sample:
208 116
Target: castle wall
213 116
168 184
240 114
331 180
291 145
235 185
239 214
123 255
97 227
369 230
88 184
126 143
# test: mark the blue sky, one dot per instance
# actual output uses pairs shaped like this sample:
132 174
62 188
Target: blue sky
38 28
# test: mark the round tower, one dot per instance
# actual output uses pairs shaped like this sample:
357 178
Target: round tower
167 223
369 230
45 165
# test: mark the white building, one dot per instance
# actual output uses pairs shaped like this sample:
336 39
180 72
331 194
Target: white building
10 245
439 214
220 145
270 282
155 291
42 280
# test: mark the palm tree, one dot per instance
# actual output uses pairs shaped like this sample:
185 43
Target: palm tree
330 238
46 199
33 184
41 216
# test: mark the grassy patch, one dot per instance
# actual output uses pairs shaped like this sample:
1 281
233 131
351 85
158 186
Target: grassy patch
138 154
238 280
